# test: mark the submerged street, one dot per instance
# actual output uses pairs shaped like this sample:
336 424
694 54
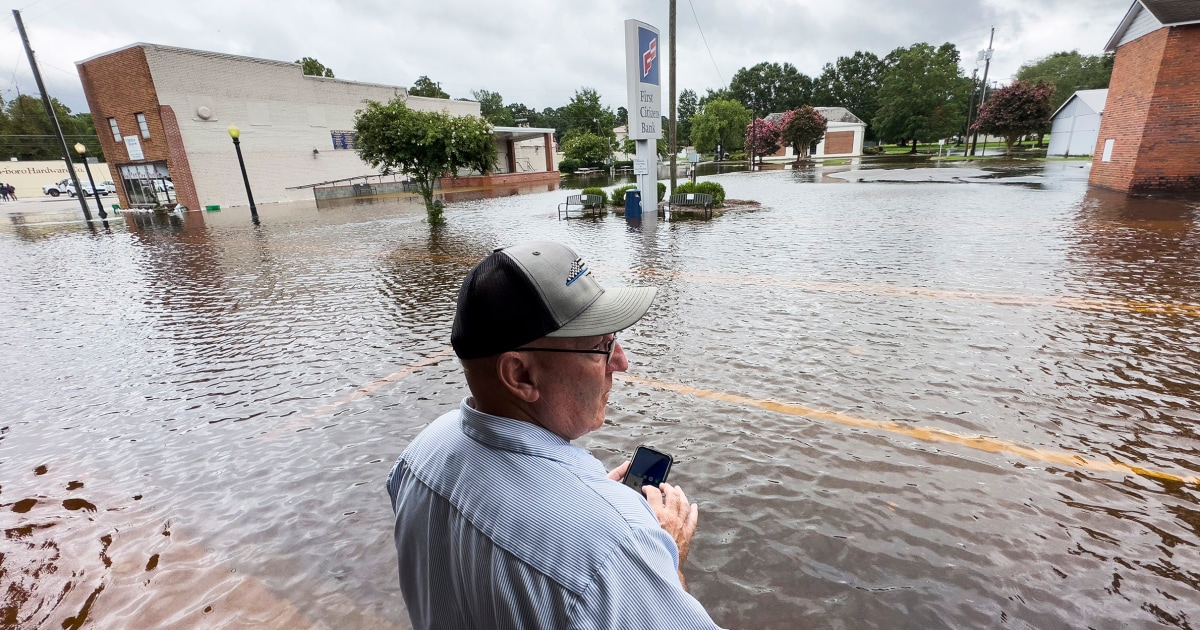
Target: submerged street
957 401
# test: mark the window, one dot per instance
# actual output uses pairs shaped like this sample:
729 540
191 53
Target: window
141 119
112 124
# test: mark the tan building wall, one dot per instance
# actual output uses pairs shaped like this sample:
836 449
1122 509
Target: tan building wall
286 119
29 177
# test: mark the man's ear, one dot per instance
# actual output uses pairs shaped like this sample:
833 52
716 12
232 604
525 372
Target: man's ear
516 376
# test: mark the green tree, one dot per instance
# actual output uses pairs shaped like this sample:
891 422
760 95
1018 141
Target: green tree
1015 110
491 107
720 94
923 95
1068 72
852 82
315 68
425 145
720 122
586 113
27 133
689 105
586 147
770 87
800 127
424 86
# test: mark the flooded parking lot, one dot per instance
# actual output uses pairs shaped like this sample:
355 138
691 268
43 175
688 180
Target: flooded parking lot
921 403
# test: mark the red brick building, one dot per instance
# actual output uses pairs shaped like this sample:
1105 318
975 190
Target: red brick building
1150 134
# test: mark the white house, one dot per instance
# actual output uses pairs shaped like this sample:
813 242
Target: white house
1076 125
843 137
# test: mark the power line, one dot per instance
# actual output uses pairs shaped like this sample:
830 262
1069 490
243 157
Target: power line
705 40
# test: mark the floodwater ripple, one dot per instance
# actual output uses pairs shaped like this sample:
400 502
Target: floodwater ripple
920 405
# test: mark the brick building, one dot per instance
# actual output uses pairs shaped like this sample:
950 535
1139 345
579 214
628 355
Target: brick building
843 137
162 115
1149 137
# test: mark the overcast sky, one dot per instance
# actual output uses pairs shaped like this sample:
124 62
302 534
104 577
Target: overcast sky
538 52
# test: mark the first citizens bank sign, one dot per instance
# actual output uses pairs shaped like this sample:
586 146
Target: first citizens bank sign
645 94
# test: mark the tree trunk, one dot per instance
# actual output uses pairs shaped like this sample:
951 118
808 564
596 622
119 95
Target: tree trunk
914 146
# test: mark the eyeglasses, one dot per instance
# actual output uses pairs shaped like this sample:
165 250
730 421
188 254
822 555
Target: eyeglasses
607 351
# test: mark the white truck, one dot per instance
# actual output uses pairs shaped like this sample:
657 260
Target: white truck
65 186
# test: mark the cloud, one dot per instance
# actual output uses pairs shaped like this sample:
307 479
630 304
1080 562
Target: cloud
540 52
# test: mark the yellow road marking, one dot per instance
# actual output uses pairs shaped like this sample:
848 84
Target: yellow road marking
927 434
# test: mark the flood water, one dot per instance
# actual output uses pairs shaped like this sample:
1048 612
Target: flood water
899 405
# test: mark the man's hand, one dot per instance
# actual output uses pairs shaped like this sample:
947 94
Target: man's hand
618 473
675 515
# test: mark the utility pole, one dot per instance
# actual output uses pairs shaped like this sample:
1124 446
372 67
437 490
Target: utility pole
970 110
673 145
62 142
986 66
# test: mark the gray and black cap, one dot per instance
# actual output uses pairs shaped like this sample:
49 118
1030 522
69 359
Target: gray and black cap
533 290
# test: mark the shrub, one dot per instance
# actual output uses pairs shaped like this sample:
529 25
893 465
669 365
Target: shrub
568 165
618 195
662 190
599 192
708 188
737 155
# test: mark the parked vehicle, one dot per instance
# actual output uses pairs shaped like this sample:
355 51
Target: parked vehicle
65 186
109 186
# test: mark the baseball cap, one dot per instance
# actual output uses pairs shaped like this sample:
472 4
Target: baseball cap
533 290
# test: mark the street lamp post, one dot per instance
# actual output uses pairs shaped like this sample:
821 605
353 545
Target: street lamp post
82 151
234 132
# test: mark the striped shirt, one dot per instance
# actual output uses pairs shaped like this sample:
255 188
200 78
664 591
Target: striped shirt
503 524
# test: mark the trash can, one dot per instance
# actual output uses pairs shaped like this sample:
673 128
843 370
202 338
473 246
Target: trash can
633 204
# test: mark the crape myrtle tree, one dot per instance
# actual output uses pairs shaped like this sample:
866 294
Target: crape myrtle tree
586 147
1067 72
923 95
800 127
762 138
426 146
720 122
1015 110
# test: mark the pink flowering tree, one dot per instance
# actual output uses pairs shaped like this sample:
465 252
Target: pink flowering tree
800 127
1015 110
762 138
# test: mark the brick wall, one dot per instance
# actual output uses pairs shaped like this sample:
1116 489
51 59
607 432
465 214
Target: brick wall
1135 72
118 85
1153 115
1169 156
839 142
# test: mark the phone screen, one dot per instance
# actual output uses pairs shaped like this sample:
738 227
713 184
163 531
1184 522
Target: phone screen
649 468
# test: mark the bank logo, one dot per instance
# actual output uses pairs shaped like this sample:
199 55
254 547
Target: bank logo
648 48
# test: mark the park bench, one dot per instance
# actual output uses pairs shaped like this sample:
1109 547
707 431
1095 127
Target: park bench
585 203
694 200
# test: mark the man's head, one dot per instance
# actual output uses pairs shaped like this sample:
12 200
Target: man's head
530 327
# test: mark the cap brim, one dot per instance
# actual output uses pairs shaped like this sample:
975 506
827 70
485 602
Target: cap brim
615 310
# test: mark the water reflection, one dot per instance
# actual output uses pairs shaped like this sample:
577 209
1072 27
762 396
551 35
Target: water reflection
229 398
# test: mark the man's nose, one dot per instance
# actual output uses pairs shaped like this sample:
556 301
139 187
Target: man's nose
619 362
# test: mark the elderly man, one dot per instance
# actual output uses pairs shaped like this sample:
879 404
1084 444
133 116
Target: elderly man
500 521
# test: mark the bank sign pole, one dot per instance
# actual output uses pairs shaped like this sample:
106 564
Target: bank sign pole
645 110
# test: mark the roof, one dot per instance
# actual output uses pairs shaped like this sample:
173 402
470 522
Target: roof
831 114
521 133
1165 12
1094 99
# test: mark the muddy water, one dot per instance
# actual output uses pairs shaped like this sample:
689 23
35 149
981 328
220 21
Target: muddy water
917 404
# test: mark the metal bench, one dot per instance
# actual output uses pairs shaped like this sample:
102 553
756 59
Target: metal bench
693 200
594 203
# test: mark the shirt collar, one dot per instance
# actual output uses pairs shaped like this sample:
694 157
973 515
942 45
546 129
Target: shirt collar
519 436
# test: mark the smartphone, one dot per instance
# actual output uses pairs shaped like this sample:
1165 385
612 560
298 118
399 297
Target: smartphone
649 468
